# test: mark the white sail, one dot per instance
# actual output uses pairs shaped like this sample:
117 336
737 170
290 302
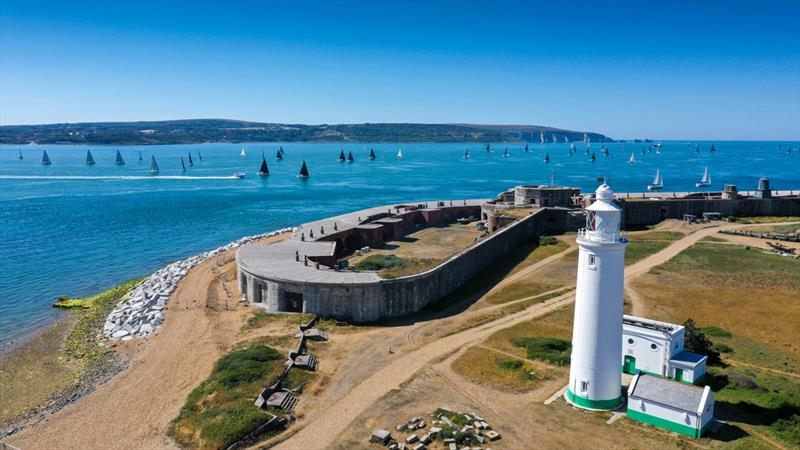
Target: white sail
541 137
400 153
706 180
632 159
242 154
657 183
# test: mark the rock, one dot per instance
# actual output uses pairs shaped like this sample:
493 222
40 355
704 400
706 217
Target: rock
120 334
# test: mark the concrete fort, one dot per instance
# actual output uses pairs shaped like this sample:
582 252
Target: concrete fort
304 273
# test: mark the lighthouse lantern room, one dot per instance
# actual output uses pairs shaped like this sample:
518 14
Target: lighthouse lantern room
595 370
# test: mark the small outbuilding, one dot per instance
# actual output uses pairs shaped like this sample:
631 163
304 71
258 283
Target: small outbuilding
668 404
656 347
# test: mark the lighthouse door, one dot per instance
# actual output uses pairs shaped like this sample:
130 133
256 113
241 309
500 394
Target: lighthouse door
630 365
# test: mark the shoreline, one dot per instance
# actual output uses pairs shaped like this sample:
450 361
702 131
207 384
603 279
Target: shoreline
80 355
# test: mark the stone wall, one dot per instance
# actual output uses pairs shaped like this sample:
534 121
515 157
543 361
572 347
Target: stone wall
388 298
649 212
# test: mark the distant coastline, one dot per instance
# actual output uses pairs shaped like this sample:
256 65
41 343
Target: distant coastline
235 131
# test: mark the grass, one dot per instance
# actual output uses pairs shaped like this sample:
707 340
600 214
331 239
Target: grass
550 350
764 219
713 239
220 411
380 262
519 290
557 324
748 293
513 308
487 367
412 266
642 245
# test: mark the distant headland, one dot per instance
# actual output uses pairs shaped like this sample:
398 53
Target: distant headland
195 131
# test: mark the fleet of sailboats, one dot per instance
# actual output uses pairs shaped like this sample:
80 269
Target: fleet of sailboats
656 185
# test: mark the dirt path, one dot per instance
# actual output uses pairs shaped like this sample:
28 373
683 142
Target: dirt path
133 410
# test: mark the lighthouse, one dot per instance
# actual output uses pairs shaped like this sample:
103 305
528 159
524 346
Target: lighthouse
595 370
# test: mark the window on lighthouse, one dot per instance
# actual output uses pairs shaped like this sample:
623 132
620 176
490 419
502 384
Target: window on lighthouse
592 220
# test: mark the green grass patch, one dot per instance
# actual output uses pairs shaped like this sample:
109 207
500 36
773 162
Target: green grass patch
510 364
741 262
220 411
380 262
487 367
713 239
716 332
642 245
764 219
518 291
788 430
551 350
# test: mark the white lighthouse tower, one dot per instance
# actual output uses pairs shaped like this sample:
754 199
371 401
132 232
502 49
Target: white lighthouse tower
595 370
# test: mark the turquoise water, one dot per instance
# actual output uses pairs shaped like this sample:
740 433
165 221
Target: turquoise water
72 229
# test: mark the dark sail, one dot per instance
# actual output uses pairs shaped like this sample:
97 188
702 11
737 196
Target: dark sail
282 151
140 155
547 158
593 157
526 148
119 161
264 170
303 170
89 158
279 155
341 156
20 154
372 153
191 163
350 157
199 156
183 166
45 158
154 164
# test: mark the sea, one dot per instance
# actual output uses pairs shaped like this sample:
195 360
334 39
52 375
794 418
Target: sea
74 229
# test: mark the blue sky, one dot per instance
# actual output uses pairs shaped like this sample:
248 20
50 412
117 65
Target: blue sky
693 70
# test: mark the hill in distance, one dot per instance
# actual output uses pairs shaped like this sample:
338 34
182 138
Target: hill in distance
223 130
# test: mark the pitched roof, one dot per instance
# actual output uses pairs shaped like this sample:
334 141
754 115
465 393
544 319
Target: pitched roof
667 392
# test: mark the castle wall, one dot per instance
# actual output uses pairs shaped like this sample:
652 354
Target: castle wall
650 212
396 297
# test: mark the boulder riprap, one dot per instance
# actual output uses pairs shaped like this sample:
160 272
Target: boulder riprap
140 314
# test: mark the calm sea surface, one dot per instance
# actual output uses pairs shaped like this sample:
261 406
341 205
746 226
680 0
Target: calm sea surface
72 229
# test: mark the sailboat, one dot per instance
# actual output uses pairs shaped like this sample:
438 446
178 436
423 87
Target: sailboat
526 150
506 154
199 156
264 169
191 163
697 148
713 149
153 164
594 158
183 166
705 181
243 153
119 161
466 154
279 155
372 153
20 154
350 157
45 159
140 155
280 149
303 171
89 158
541 137
547 158
658 182
488 148
341 156
632 159
586 137
400 153
566 140
555 141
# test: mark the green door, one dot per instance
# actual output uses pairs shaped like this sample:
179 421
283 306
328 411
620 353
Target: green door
679 374
630 365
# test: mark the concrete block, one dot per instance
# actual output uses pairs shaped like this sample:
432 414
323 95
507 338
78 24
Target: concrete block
412 438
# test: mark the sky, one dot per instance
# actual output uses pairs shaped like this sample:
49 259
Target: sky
665 70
